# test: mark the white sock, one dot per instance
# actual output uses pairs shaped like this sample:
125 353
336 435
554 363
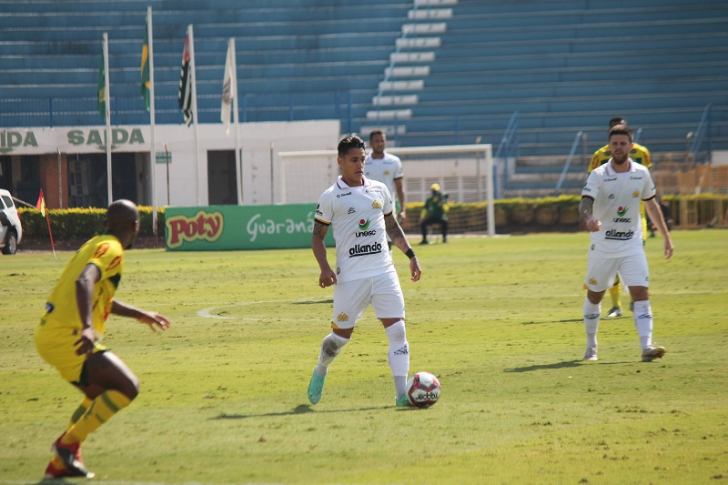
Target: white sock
643 322
398 356
592 314
330 348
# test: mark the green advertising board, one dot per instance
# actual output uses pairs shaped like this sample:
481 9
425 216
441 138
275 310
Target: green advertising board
231 227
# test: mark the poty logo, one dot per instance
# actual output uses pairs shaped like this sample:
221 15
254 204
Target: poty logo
635 194
622 211
376 205
363 224
592 281
343 317
203 225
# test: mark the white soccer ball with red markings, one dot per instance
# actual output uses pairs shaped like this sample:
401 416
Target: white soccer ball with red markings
423 389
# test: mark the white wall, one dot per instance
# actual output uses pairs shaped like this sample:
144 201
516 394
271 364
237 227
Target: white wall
256 142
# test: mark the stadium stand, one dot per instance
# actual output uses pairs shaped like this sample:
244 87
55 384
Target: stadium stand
429 71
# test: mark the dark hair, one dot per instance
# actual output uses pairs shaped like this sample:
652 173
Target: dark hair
349 142
621 130
374 133
617 120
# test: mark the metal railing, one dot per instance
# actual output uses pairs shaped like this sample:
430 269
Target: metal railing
129 110
703 132
507 151
574 145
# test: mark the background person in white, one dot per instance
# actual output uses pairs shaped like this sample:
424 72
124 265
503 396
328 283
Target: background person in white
610 208
386 168
360 212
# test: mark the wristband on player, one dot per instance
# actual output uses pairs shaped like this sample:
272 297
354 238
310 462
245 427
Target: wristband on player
410 254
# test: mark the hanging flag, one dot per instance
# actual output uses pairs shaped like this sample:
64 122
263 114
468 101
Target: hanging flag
145 88
185 85
102 87
228 92
41 205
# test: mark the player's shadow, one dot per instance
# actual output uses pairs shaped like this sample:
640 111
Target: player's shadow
553 321
319 302
557 365
300 409
568 364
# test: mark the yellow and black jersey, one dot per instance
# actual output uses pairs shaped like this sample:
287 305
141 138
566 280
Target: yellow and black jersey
639 154
104 251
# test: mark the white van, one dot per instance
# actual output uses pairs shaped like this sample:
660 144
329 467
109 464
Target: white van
11 232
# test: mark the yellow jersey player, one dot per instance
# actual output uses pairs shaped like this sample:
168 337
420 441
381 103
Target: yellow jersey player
69 335
638 154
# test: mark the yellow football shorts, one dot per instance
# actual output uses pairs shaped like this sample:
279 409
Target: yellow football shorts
56 346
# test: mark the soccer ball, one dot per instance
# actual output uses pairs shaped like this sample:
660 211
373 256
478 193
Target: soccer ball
423 389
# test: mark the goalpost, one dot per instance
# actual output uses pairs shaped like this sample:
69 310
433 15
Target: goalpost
464 172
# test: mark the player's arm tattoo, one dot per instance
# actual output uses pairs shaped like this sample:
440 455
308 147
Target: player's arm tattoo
394 230
319 228
586 208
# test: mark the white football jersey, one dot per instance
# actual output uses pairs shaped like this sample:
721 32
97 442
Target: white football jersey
384 170
617 199
356 215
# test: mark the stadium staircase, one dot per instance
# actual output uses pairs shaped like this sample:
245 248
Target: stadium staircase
431 72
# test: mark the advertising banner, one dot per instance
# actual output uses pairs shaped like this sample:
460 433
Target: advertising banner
230 227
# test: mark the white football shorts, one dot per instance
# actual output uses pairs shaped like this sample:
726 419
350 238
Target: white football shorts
601 270
351 298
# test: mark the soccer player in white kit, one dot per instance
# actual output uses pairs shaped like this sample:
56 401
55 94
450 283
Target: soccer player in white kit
386 168
610 208
360 211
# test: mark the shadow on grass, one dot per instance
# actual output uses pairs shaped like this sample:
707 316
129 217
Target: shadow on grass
300 409
554 321
557 365
328 302
569 364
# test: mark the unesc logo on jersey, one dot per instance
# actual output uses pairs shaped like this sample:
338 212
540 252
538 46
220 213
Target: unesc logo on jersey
363 226
203 225
621 212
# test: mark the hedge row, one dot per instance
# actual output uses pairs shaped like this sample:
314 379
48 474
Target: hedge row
80 223
548 213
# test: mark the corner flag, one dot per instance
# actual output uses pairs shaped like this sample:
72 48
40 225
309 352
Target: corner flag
41 205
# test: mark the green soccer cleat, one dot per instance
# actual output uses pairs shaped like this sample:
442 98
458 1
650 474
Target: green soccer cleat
403 402
316 388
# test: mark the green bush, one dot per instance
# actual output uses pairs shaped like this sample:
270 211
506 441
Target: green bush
80 223
511 215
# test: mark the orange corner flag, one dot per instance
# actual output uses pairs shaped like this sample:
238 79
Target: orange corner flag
41 205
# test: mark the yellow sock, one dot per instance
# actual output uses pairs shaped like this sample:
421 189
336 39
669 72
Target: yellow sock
615 292
82 408
101 410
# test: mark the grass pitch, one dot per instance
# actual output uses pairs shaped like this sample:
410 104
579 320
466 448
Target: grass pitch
497 320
